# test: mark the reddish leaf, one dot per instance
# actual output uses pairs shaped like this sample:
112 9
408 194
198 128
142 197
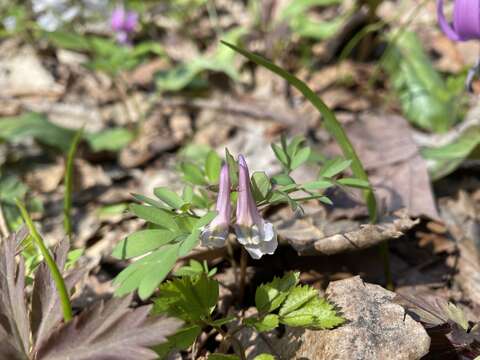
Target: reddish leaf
111 331
14 325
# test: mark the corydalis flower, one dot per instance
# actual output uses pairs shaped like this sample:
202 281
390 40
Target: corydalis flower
466 20
123 23
253 232
215 234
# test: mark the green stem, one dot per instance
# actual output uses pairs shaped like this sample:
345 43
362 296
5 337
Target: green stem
55 272
67 199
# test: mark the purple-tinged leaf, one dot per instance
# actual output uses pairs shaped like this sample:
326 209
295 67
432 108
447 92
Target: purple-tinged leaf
14 325
111 331
46 309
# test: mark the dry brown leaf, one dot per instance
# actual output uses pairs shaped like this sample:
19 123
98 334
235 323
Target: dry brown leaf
398 173
308 239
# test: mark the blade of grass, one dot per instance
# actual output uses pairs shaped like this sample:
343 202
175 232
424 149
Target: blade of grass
67 200
331 123
52 265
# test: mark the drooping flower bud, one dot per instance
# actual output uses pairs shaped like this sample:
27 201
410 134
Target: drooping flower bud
253 232
215 234
466 20
123 23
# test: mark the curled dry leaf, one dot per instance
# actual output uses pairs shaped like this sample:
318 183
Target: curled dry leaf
308 239
109 330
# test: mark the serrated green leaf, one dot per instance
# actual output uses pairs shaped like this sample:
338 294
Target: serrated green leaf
194 268
317 313
163 218
297 297
142 242
181 340
264 356
270 296
169 197
334 167
213 165
300 157
193 174
261 185
267 323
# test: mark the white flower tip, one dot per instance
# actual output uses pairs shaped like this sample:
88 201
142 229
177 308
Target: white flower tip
259 243
215 238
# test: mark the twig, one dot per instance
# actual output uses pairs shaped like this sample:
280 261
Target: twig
271 346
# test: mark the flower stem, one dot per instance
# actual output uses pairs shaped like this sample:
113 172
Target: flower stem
243 273
52 266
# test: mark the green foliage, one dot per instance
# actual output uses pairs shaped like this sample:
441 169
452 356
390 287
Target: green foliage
296 13
264 357
188 74
67 197
172 234
331 123
37 126
445 159
426 99
297 305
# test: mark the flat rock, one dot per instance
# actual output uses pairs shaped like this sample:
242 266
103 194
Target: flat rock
376 328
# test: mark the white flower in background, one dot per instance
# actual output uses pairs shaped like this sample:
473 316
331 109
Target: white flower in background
253 232
215 234
10 23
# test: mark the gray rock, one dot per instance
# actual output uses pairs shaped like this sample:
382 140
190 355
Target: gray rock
376 328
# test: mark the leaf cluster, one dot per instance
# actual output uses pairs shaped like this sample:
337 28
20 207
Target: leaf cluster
32 328
284 301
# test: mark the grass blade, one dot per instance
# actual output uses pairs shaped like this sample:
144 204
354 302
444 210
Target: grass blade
67 200
331 123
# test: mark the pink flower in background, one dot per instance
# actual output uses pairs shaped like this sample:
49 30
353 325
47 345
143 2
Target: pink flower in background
123 23
466 20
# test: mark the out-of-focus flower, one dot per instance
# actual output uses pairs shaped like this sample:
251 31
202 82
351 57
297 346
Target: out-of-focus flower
51 14
215 234
10 23
466 20
123 23
253 232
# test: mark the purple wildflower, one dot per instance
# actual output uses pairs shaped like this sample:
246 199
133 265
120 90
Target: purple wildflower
466 20
123 23
215 234
253 232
